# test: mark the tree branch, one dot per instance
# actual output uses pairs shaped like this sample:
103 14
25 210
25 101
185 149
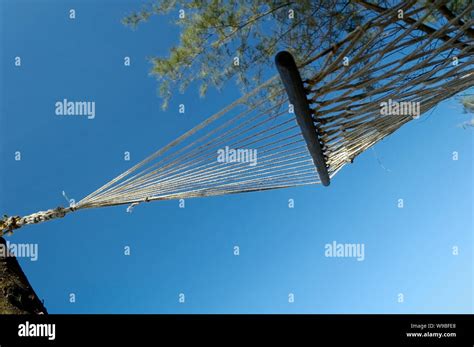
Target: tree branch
450 16
423 27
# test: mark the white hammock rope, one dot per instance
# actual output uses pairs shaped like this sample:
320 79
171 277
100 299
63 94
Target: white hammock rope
389 58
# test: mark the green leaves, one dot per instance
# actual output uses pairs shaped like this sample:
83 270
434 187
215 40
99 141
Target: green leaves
214 32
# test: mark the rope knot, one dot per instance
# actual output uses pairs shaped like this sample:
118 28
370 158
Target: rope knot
8 224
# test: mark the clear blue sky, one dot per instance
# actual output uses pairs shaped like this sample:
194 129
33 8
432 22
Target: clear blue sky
190 250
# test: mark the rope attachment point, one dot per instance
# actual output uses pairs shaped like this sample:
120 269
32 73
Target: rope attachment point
9 224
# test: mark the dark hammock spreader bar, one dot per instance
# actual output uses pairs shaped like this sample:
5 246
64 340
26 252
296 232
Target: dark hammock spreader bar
291 79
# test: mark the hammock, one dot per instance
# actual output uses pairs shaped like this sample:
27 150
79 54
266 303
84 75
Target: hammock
387 58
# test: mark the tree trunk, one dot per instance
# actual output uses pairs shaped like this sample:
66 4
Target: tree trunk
16 294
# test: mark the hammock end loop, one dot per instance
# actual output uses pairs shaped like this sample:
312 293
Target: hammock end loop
8 224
